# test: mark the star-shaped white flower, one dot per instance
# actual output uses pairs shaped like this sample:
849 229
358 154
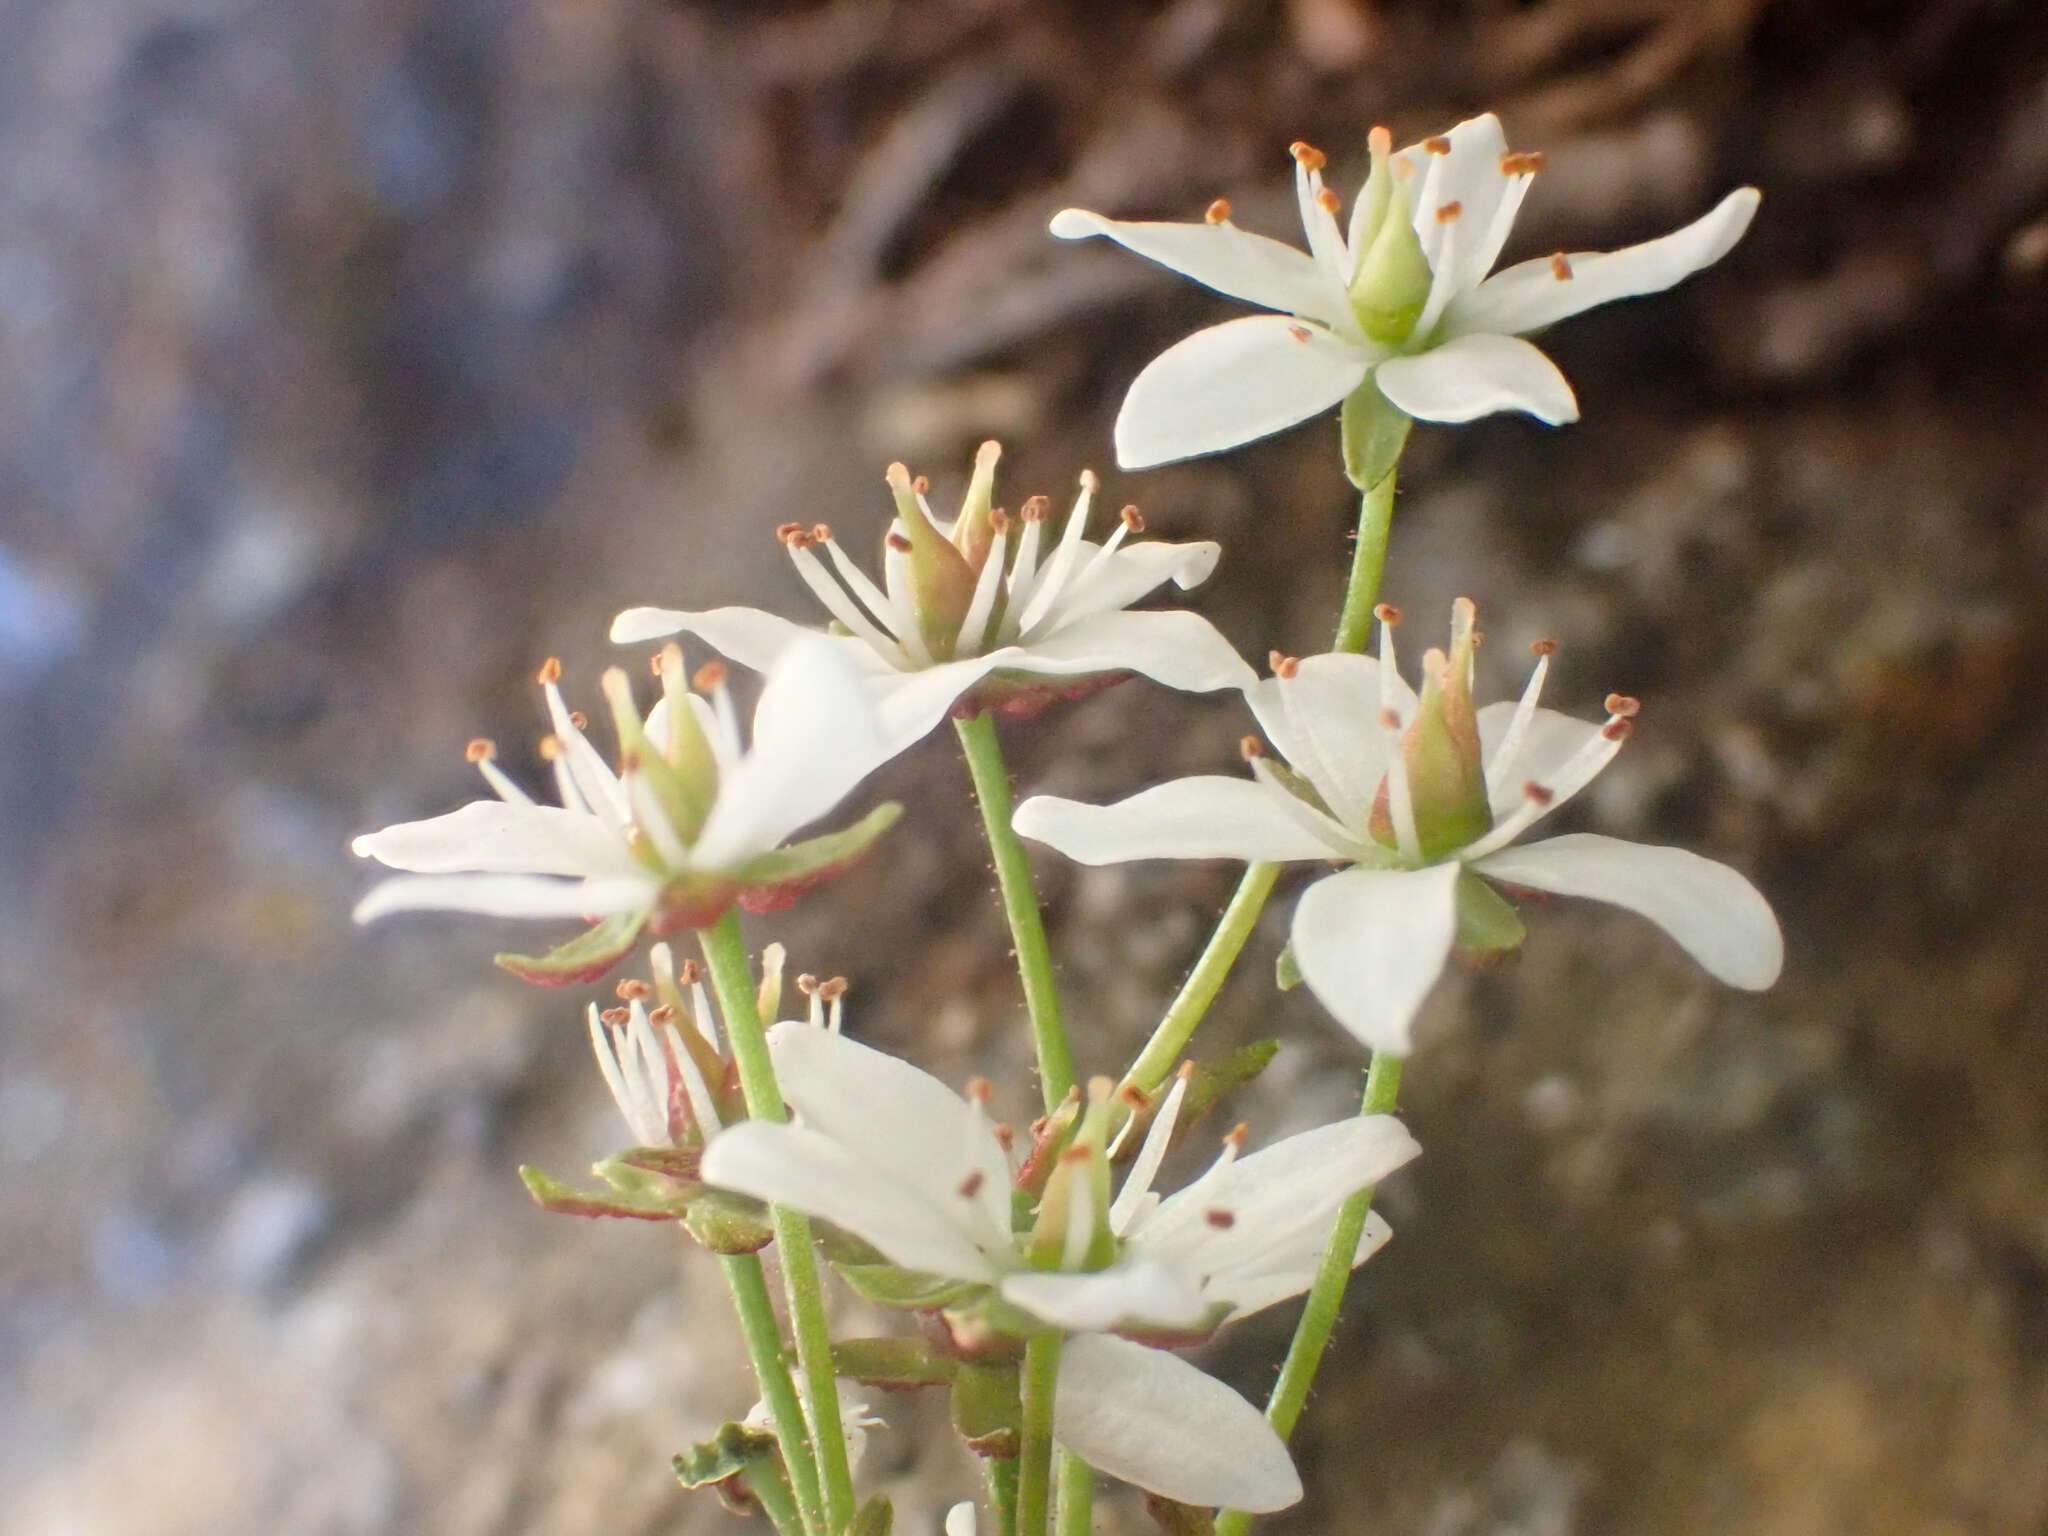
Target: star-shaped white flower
891 1155
986 611
1404 298
687 825
1422 800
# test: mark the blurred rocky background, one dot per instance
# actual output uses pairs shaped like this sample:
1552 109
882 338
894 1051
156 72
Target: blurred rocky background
356 356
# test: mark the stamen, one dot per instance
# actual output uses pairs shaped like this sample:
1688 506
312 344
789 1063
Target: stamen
1006 1138
1283 665
689 973
1518 162
480 750
1235 1138
1218 211
703 1107
1327 200
858 582
707 678
1439 145
1390 676
821 533
1618 730
807 984
1400 802
998 520
1561 267
550 672
662 1013
632 990
1501 770
1130 1199
1386 613
791 533
968 639
978 1090
1624 706
1061 567
548 748
1307 156
839 602
1541 649
700 1006
579 719
615 1015
902 613
832 988
1448 211
1133 519
1220 1219
1035 508
1250 748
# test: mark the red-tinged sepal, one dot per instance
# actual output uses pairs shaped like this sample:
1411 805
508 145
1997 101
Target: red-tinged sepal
560 1199
774 880
895 1365
985 1409
736 1456
1020 695
584 958
908 1290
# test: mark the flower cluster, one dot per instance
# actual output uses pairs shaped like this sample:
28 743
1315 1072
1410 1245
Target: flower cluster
1052 1292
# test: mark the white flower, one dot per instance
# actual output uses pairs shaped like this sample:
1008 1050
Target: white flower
1403 299
655 1073
890 1154
1419 796
978 613
854 1419
689 824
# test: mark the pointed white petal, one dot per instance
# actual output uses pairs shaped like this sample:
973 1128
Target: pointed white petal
815 737
1133 1294
1371 943
1153 1420
1325 722
909 704
1532 294
1715 914
898 1119
1549 741
1205 817
1232 383
747 635
1253 1289
1233 261
1121 577
810 1172
505 896
1468 176
1171 646
500 837
1473 376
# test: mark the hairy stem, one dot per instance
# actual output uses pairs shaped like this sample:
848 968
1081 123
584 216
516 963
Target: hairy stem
1001 1473
1020 905
1155 1062
725 956
1368 561
1034 1450
763 1337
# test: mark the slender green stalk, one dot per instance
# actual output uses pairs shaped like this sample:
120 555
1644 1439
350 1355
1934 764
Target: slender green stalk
1076 1512
764 1347
1368 561
1155 1062
725 956
1034 1450
1001 1473
770 1489
1020 905
1319 1313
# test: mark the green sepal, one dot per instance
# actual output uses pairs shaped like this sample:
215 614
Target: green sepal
896 1365
1488 924
889 1286
776 879
727 1454
565 1200
1286 969
1176 1519
1211 1080
873 1518
1375 431
727 1223
986 1408
645 1172
584 958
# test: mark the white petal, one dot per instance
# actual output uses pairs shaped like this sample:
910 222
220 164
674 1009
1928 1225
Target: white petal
1325 721
499 837
1531 294
1255 1289
1124 575
1172 647
1135 1293
815 737
747 635
1153 1420
1371 943
798 1167
1473 376
1550 740
1716 915
909 704
1205 817
960 1519
1468 176
1232 383
505 896
1221 256
900 1120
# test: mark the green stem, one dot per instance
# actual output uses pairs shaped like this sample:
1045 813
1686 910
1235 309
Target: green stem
1034 1450
1077 1496
1368 561
749 1288
770 1488
1001 1473
1319 1313
725 956
1020 905
1155 1062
